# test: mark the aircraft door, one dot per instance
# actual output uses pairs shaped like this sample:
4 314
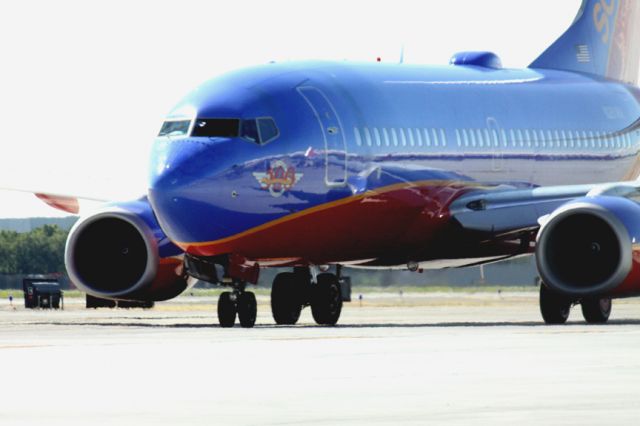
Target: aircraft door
334 141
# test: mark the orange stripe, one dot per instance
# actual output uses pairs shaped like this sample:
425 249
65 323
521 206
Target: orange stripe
330 205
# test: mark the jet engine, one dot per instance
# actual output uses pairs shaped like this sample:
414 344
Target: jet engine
120 252
591 247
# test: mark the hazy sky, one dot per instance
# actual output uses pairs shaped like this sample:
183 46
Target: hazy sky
84 85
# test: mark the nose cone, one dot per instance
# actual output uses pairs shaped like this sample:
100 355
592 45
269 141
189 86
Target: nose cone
176 164
181 189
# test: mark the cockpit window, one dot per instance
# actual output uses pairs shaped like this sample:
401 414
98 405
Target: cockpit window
216 127
260 131
175 128
250 131
268 130
257 130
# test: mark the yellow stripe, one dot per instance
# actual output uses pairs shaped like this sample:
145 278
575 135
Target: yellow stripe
330 205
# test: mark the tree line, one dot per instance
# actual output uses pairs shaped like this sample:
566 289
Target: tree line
40 251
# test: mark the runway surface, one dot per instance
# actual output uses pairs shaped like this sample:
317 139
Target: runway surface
454 359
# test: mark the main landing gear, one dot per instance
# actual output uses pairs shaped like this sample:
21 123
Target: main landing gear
555 307
237 302
292 291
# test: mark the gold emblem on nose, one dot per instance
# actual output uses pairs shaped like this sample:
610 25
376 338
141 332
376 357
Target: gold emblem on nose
279 178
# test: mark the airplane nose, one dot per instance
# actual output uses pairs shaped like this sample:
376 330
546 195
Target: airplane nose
180 184
176 164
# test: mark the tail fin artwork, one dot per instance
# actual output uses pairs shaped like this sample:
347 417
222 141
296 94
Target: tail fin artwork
603 40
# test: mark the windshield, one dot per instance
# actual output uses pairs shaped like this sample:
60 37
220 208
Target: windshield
257 130
175 128
216 127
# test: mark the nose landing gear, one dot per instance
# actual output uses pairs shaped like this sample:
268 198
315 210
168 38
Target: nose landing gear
240 302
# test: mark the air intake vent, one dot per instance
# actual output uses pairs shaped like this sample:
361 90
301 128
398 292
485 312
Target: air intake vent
582 53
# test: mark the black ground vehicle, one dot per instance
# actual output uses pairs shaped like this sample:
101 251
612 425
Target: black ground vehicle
42 293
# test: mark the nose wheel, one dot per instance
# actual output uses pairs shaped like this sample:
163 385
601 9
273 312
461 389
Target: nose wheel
227 310
238 303
247 309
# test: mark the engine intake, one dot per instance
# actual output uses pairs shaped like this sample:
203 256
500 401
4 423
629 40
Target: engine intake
121 253
109 254
586 247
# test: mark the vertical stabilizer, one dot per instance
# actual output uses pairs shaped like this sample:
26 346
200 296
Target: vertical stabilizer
603 40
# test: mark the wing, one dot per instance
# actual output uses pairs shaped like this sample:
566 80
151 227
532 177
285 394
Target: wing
506 211
71 194
68 202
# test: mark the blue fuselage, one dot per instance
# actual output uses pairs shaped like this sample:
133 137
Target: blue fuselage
347 130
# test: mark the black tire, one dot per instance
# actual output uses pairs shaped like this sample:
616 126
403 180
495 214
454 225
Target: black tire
226 310
326 300
285 299
247 309
596 311
554 307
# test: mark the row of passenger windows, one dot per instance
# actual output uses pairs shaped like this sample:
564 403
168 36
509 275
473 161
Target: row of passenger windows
491 138
400 137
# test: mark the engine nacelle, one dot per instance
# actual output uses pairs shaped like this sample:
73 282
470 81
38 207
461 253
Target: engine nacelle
591 247
120 252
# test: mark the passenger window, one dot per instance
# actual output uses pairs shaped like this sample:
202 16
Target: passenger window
394 137
403 139
367 136
418 137
487 137
356 133
427 138
412 141
386 136
376 135
520 138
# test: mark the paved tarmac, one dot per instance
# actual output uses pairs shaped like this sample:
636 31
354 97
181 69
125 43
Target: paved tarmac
455 359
